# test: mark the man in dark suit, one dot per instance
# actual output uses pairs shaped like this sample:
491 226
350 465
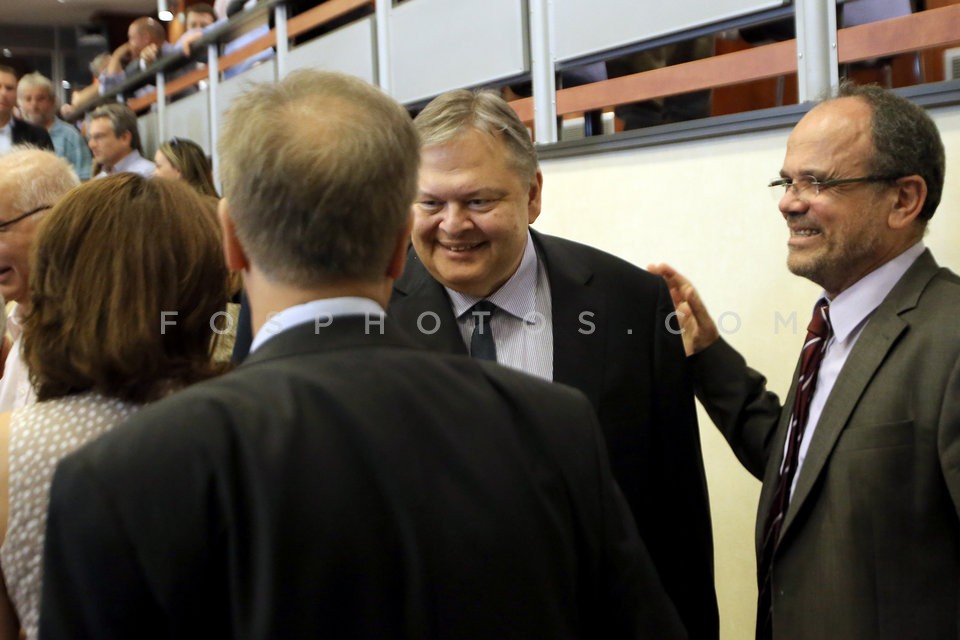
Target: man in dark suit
343 482
858 534
565 312
14 131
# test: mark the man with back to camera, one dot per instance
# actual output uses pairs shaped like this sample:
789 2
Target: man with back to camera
564 312
14 131
343 482
31 182
114 138
38 103
857 528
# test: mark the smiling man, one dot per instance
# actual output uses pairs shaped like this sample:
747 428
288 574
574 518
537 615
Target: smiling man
31 182
478 280
858 533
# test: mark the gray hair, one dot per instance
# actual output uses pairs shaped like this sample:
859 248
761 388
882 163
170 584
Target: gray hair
451 114
122 119
319 171
32 177
35 80
905 139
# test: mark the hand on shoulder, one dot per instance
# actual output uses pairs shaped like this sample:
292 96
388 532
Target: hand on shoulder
697 327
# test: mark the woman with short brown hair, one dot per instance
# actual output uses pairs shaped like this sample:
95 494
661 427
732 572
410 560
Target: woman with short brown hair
127 274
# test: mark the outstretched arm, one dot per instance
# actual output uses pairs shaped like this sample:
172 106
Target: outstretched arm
735 396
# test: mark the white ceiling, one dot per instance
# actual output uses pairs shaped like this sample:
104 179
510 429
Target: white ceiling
68 12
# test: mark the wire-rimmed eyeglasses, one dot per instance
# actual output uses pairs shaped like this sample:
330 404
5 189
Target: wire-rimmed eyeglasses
810 186
8 223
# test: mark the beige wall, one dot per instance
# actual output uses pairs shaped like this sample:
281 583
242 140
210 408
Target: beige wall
703 207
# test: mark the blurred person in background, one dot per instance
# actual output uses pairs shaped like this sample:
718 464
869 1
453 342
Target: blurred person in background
38 103
14 131
89 92
183 159
114 138
145 37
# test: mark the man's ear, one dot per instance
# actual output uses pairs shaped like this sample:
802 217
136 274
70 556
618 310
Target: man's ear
910 195
399 256
534 197
233 252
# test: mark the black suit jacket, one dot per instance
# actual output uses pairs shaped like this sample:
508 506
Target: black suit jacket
610 340
346 484
26 133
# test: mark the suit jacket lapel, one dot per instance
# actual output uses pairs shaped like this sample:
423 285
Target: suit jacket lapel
420 303
577 361
882 330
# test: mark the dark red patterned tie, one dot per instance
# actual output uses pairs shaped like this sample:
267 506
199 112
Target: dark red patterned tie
818 333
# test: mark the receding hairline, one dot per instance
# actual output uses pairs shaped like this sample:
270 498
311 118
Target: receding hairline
324 105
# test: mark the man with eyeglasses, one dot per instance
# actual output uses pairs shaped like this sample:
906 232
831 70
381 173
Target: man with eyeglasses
114 140
858 534
31 182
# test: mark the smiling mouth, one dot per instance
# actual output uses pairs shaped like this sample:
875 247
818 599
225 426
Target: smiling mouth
462 246
803 233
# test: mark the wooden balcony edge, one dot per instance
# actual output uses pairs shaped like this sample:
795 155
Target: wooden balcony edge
922 30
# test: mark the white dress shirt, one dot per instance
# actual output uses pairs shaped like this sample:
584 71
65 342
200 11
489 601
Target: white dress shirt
15 388
6 137
133 162
524 333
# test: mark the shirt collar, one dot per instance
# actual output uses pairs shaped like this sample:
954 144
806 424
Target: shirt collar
854 305
126 162
314 311
515 296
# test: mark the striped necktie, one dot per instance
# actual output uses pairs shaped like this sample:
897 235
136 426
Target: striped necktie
818 334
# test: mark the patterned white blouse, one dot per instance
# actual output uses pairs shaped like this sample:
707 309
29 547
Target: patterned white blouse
40 435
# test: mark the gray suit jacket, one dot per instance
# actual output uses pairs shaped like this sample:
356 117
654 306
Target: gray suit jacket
870 547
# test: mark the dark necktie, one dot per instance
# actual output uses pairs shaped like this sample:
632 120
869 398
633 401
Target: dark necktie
481 342
818 333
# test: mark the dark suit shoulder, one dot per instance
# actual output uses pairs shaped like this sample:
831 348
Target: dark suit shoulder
578 257
25 133
322 387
